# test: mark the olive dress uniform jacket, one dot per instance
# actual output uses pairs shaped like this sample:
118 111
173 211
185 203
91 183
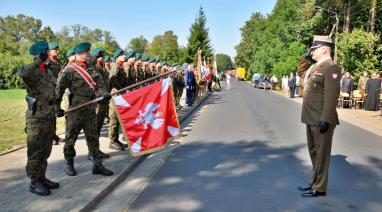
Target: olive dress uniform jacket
321 94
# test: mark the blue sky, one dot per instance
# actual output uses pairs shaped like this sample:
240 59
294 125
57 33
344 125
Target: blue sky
129 19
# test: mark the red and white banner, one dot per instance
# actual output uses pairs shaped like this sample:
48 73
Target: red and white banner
148 117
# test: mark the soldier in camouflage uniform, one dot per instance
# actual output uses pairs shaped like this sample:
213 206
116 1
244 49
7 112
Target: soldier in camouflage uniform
158 67
97 64
107 63
178 88
120 74
151 67
54 65
102 107
84 82
138 74
145 68
39 118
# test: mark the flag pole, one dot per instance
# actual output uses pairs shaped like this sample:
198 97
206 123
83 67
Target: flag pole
122 90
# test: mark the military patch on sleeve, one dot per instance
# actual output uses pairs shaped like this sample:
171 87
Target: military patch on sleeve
335 76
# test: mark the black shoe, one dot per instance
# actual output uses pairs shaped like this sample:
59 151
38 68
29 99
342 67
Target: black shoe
49 184
100 169
69 169
38 188
116 146
304 187
313 193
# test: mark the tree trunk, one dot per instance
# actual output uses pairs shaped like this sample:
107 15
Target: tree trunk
347 17
372 13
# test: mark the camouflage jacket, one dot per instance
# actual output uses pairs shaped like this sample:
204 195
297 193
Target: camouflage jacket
81 90
105 77
119 77
54 67
39 85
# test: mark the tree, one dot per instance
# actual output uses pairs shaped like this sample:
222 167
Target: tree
199 39
138 44
359 51
165 47
223 62
18 32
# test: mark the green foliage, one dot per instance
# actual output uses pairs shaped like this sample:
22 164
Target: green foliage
138 44
18 32
8 66
359 51
199 39
273 44
165 47
224 62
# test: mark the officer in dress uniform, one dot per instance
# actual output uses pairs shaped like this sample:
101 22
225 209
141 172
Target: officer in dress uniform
319 113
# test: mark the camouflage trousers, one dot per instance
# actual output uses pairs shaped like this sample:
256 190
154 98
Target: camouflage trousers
113 124
102 111
82 119
40 131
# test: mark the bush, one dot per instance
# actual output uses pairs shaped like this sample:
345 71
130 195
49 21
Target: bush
8 67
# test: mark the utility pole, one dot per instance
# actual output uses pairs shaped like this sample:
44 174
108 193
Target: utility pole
372 13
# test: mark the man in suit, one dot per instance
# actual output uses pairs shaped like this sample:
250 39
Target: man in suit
292 85
319 113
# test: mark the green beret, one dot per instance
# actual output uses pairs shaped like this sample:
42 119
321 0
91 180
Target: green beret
138 56
163 63
117 53
69 52
96 51
53 46
38 47
82 47
152 60
145 59
107 58
130 54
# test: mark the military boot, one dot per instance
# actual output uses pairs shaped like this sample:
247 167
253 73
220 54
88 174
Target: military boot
102 156
100 169
37 187
69 169
49 184
116 145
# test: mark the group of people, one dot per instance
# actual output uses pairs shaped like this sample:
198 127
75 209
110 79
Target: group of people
197 86
369 89
291 84
87 75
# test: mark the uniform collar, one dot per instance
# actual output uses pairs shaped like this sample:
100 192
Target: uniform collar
323 60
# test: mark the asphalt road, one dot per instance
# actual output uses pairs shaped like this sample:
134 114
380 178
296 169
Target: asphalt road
247 152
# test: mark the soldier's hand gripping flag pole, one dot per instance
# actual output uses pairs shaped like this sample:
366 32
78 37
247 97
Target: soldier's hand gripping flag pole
99 99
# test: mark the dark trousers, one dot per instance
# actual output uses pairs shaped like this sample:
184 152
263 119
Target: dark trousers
210 86
320 146
189 96
292 90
